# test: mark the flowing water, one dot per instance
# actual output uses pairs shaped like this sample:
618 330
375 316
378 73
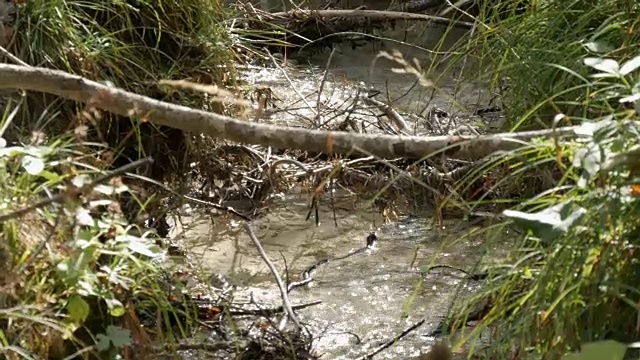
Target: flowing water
371 297
367 298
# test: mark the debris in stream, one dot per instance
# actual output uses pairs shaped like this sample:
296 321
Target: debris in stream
307 275
472 276
389 343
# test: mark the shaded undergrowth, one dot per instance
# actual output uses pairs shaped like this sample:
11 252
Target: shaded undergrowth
532 60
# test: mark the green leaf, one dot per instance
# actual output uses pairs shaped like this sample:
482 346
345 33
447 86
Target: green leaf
110 190
78 309
599 47
141 246
83 216
631 98
599 350
116 308
103 343
80 180
587 128
630 65
550 222
119 337
51 176
608 66
32 164
589 158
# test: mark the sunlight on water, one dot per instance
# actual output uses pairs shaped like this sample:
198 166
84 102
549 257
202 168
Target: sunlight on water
364 296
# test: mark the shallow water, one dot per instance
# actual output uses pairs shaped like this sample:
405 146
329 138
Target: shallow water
365 295
296 94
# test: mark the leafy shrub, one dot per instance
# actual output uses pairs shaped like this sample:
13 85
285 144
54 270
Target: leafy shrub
73 274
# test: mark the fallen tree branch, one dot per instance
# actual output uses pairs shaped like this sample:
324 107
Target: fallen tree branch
273 311
418 6
132 105
372 15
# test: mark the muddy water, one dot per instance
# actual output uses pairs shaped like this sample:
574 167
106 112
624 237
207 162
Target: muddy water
367 298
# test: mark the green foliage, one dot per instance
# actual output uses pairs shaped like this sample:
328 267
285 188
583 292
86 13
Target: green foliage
132 43
71 268
574 277
600 350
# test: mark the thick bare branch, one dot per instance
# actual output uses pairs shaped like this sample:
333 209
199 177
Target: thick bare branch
187 119
372 15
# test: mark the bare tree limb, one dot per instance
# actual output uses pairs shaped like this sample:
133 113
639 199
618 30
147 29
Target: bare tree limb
128 104
373 15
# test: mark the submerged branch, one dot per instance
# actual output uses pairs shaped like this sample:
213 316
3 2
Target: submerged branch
283 289
389 343
128 104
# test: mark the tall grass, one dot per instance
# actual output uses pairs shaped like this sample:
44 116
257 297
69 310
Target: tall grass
533 58
573 278
132 44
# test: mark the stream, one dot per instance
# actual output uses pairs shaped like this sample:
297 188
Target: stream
364 297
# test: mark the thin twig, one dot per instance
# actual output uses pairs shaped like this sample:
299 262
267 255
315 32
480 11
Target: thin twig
273 311
472 276
228 209
283 289
324 80
12 57
391 113
74 192
293 87
393 341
